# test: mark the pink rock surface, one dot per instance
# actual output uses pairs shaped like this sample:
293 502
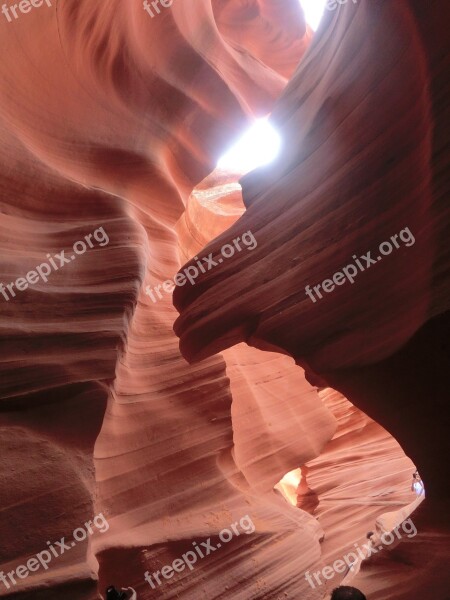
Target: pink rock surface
109 119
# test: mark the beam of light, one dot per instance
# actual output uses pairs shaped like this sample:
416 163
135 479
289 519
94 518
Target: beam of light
259 146
289 484
313 10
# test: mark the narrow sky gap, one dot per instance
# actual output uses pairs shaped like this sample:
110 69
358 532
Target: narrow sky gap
313 10
258 146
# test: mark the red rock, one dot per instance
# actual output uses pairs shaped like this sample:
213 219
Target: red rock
110 118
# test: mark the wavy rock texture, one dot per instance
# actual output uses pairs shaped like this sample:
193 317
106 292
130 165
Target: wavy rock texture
362 159
333 194
109 118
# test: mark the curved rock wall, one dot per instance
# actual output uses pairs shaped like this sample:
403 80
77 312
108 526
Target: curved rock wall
108 119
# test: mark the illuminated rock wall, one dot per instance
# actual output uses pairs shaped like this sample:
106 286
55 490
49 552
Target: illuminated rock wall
108 119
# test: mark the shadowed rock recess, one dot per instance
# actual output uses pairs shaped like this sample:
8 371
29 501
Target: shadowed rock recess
161 419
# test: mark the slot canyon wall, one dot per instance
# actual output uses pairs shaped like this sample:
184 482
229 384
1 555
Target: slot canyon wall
176 418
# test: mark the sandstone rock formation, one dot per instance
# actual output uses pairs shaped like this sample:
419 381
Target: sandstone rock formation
112 119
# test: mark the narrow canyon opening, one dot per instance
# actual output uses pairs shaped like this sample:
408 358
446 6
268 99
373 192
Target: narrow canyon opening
224 284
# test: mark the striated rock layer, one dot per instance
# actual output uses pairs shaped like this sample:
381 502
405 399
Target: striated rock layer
108 119
363 159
